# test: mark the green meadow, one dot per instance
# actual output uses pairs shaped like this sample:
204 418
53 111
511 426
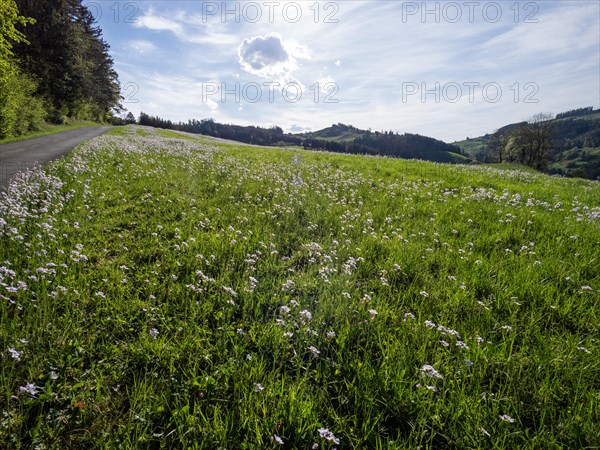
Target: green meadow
163 291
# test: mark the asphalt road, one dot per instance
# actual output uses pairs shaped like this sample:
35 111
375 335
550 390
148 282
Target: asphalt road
17 156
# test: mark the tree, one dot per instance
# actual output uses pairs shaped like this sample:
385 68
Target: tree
20 111
129 118
496 145
10 35
532 143
69 58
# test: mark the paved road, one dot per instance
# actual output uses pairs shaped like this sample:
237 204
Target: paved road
16 156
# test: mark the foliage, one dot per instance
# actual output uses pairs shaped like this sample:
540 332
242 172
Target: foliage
9 35
589 110
532 143
130 119
65 55
20 110
47 128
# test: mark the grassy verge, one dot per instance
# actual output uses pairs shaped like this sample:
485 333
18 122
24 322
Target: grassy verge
165 293
52 129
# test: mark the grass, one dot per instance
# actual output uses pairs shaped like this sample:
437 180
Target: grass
470 146
576 156
457 159
52 129
170 293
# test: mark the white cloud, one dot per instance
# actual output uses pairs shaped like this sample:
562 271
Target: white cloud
212 105
186 28
266 56
158 23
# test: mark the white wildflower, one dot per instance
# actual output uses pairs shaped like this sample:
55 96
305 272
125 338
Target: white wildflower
430 372
484 431
29 388
289 284
276 440
325 433
306 315
314 351
15 353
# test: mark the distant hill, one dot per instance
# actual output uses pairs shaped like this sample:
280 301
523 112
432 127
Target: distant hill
576 138
348 139
338 138
336 133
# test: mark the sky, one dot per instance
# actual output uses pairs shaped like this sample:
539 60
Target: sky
448 70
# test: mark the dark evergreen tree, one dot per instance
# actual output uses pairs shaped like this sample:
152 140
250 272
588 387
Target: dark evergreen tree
69 58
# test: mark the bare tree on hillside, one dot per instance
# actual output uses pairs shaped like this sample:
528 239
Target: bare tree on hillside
532 143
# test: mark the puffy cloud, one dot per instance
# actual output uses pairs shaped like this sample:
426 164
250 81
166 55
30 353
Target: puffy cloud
266 56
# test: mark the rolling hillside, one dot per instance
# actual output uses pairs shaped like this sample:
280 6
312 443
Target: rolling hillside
338 138
348 139
576 136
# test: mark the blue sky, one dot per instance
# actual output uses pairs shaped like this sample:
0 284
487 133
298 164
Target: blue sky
443 69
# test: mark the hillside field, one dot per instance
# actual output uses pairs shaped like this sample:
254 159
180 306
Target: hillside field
164 291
